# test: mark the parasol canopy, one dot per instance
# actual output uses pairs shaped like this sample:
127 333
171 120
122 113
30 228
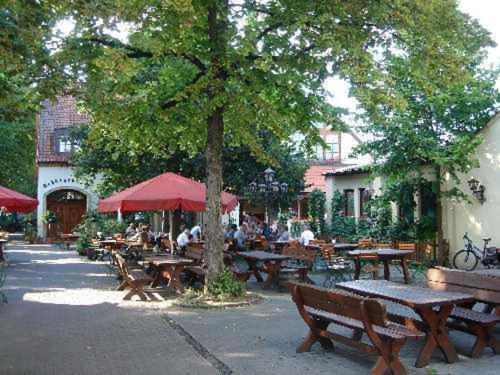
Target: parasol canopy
167 192
13 201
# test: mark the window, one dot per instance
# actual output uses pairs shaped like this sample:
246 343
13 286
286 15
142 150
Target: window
406 205
332 150
364 199
349 202
62 143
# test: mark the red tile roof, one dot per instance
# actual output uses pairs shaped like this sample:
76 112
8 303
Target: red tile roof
58 115
315 176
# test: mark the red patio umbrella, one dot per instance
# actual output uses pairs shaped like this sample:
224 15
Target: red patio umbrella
167 192
16 202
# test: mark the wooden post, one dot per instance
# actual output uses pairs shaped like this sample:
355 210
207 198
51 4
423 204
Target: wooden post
171 230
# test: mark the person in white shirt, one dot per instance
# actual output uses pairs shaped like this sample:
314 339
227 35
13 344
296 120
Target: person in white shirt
306 236
130 232
183 239
196 231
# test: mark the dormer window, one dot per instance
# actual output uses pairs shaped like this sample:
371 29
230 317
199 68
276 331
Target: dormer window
62 142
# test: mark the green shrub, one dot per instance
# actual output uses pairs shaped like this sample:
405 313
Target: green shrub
226 286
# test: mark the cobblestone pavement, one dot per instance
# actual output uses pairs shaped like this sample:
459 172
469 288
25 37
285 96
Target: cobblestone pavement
63 317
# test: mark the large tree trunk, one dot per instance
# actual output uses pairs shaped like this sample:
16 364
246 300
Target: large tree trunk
217 28
215 239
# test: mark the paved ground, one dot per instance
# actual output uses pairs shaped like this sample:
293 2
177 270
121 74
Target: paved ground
64 318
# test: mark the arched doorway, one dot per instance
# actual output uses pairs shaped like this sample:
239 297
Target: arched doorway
69 207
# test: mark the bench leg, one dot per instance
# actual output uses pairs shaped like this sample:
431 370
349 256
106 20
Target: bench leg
314 335
484 338
388 361
129 295
437 335
122 286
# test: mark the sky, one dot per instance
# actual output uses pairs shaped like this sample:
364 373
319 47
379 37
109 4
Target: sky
487 12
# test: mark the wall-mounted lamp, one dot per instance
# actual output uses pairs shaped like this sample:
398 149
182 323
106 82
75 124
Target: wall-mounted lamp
477 189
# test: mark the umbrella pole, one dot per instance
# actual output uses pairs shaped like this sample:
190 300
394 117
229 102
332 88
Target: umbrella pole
171 230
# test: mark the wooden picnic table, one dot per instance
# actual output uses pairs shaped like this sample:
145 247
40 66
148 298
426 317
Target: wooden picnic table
3 242
432 306
169 268
271 261
197 244
385 256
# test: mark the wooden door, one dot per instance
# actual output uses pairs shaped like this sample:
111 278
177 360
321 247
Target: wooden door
69 207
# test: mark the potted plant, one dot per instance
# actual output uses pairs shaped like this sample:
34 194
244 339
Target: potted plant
29 233
49 218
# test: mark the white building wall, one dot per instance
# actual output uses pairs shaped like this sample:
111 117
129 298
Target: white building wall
479 221
350 182
52 178
348 143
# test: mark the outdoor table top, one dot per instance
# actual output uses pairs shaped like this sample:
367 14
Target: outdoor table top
172 260
382 252
495 272
262 255
345 246
3 240
411 296
279 242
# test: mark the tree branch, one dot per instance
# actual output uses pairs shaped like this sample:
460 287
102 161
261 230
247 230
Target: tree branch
135 52
173 102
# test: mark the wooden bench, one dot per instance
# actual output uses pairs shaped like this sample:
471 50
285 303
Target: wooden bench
197 269
486 289
301 261
135 279
338 268
321 307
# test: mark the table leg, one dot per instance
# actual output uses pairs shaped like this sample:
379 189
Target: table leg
387 271
252 265
173 273
357 268
273 271
156 278
406 273
437 335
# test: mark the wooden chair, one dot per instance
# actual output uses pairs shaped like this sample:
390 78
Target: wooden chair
486 289
320 307
301 261
337 268
135 279
415 267
370 264
365 243
381 245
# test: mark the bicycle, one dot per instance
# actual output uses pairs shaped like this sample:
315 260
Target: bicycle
468 258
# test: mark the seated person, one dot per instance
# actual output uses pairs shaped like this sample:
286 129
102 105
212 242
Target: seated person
151 235
284 236
196 231
183 240
306 237
130 231
240 237
230 231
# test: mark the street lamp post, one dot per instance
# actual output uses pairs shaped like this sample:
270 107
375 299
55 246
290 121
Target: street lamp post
269 188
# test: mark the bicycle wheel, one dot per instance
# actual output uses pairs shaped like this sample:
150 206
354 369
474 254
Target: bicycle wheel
465 260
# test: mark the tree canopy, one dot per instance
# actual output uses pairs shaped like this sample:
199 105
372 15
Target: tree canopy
195 75
116 168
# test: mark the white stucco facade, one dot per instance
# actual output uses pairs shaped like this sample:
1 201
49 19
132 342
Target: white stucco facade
478 220
58 177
